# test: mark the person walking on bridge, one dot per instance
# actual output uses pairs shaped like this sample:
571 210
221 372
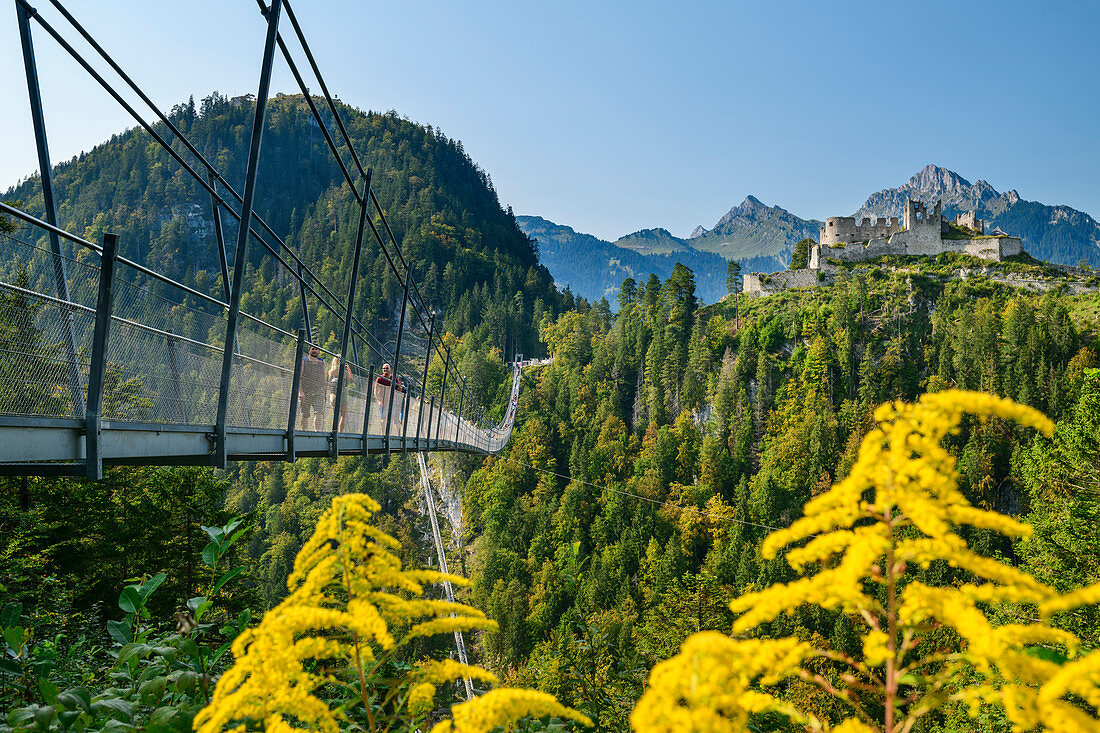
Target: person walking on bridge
311 390
334 382
383 385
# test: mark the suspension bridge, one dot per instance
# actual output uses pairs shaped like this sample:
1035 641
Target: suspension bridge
104 360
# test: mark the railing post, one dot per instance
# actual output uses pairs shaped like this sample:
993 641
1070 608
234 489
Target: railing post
407 398
461 402
443 391
431 409
219 236
369 392
334 439
220 457
424 381
397 355
174 372
292 416
305 303
93 421
60 276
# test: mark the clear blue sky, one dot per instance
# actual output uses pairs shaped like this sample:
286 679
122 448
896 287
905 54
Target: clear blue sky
615 116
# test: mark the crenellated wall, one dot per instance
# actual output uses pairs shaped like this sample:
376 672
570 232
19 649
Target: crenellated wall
838 229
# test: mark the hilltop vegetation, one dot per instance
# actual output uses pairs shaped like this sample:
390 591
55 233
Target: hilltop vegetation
659 449
471 260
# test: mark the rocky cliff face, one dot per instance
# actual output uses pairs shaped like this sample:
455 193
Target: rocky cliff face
930 184
1054 233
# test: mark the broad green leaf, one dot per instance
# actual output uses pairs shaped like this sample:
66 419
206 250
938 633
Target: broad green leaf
120 631
1046 654
10 666
76 697
243 620
129 651
217 654
48 689
14 635
161 719
214 533
187 681
130 599
116 706
210 555
152 690
236 536
9 616
228 577
151 585
193 604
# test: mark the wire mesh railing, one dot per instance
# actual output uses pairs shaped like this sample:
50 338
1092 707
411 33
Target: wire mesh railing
156 375
178 356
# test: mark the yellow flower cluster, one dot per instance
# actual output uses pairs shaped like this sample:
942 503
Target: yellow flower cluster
500 708
711 685
350 604
899 507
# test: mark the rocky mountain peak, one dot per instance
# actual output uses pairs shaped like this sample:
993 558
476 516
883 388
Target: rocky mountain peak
698 231
936 180
750 210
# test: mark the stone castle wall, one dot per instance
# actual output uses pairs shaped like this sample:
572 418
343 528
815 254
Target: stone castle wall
757 284
918 242
844 229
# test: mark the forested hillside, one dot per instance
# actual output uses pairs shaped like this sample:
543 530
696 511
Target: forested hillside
657 451
470 258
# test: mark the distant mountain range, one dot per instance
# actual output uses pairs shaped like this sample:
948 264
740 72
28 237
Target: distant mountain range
762 237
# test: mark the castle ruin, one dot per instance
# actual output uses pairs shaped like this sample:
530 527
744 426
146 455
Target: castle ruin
920 232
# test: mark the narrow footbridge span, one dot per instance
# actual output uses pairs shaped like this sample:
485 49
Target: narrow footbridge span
105 360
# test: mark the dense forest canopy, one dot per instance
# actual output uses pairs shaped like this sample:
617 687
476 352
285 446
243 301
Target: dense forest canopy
470 258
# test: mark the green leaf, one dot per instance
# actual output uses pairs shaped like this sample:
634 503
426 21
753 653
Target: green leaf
214 533
11 613
48 689
151 585
163 719
1046 654
14 636
243 620
120 631
115 705
228 577
41 714
187 681
151 691
10 666
217 654
129 651
236 536
130 599
210 555
76 697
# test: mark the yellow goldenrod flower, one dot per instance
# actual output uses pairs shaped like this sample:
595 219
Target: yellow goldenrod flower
899 507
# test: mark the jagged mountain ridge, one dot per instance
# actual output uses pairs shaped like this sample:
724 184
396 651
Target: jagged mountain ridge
1054 233
754 229
595 268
